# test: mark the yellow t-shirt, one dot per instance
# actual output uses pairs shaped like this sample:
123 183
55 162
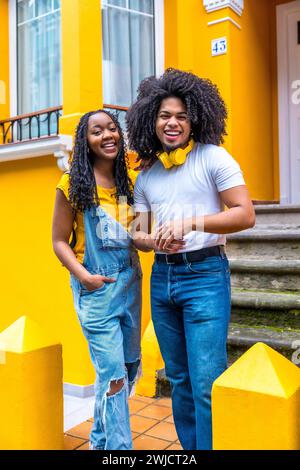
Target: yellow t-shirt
124 215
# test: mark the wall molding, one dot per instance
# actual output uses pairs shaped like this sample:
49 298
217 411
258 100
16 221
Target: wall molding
222 20
60 146
214 5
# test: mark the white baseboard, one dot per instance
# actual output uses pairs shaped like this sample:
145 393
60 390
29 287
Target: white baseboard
80 391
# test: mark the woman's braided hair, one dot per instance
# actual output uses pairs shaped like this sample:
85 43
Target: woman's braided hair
83 192
205 107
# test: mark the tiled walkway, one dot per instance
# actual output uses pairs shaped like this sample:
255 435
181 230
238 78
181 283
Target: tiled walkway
152 426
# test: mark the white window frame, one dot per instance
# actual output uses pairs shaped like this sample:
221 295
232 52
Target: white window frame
13 67
159 35
13 59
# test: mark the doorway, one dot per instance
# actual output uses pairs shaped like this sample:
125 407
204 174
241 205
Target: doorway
288 47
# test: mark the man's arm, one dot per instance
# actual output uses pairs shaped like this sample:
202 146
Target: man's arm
239 216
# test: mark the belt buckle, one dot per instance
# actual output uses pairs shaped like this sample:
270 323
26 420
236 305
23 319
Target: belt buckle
167 260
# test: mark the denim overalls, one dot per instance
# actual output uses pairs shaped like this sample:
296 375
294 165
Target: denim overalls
110 318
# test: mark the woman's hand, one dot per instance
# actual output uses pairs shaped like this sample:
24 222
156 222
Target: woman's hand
95 281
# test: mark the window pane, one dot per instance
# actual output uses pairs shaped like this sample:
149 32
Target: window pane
43 6
25 10
118 3
128 54
146 6
39 64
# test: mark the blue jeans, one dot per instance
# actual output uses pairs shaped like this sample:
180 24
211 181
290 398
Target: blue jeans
191 311
110 318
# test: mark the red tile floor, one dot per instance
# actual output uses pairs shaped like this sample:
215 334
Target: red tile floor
152 426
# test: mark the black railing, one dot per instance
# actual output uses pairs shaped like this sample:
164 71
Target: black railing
44 123
120 112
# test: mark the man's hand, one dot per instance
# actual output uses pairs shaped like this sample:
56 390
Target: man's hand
172 248
173 230
94 281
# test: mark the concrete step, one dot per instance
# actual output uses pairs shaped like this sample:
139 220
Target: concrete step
241 338
280 275
265 300
277 214
264 244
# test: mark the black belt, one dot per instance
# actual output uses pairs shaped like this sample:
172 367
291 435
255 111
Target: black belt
190 256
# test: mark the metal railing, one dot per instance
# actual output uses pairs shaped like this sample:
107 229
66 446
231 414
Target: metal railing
44 123
120 111
32 126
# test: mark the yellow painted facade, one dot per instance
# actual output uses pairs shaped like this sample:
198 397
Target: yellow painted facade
32 281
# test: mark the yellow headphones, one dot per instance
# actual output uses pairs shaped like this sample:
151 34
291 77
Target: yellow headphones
176 157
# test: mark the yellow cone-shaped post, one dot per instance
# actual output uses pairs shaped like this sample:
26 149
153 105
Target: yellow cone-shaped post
152 361
256 403
31 396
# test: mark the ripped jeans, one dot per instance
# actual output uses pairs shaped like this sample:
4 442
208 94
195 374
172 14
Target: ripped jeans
110 321
110 318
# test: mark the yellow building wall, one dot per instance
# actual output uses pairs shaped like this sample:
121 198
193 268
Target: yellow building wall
32 282
252 98
4 60
245 77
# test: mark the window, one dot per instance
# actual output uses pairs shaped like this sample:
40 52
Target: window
38 55
129 47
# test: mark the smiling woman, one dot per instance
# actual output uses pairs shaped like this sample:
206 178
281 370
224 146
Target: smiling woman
104 267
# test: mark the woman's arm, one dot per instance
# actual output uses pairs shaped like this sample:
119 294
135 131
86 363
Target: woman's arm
62 226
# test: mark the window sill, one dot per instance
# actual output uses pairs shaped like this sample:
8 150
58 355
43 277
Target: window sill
58 145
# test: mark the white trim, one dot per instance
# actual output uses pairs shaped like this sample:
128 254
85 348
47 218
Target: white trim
159 34
60 146
13 58
284 100
214 5
127 10
222 20
35 18
80 391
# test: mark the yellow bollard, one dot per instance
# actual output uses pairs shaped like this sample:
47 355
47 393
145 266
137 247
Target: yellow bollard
152 361
256 403
31 394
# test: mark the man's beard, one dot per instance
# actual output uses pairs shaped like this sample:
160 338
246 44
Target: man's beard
169 149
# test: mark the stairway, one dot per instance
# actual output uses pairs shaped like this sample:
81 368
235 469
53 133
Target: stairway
265 282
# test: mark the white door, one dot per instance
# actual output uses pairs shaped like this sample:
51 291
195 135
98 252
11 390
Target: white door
288 17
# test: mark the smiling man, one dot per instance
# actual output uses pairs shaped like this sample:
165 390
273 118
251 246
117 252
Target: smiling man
177 125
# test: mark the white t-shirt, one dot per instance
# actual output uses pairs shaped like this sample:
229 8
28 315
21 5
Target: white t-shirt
188 190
